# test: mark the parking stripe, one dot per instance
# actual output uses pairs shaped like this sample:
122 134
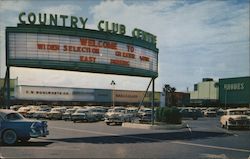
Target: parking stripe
208 146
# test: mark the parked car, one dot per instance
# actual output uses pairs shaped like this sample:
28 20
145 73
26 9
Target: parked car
56 113
24 110
236 118
115 115
32 110
41 113
145 118
68 114
14 127
130 114
210 112
15 107
142 111
190 113
83 115
98 112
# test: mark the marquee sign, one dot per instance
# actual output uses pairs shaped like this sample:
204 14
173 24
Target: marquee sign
77 49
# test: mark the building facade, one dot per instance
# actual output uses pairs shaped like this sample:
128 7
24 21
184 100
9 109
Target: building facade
81 96
205 93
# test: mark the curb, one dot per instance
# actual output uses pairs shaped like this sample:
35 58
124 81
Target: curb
154 127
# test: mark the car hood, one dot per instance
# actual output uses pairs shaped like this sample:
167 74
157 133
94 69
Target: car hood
238 117
79 114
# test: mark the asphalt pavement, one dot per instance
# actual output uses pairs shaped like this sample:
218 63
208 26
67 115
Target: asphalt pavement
203 139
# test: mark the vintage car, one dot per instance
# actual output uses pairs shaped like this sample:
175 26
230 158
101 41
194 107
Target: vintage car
190 113
98 112
116 115
210 112
143 111
236 118
24 110
83 115
56 113
14 127
68 113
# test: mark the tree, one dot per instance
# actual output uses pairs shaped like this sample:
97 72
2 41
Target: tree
168 91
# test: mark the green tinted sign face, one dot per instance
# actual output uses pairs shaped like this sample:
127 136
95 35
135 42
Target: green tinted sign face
80 50
235 90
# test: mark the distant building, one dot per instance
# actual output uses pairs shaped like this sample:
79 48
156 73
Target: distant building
26 94
205 93
235 91
177 99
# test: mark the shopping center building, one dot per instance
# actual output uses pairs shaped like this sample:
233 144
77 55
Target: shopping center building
227 92
26 94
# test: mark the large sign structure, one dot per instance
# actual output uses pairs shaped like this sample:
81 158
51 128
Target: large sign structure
62 42
77 49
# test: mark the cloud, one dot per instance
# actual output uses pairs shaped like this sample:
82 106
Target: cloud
66 9
196 40
12 5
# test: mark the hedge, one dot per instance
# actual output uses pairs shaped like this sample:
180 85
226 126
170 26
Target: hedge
168 115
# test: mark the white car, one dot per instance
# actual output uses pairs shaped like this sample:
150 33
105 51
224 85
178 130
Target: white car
236 118
115 115
83 115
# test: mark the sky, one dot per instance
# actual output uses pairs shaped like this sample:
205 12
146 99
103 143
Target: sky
196 39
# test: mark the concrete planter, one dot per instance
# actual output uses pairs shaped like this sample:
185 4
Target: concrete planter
155 127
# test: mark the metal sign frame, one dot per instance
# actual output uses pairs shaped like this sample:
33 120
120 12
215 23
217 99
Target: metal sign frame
80 66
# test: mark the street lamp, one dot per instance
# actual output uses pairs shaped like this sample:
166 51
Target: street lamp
113 95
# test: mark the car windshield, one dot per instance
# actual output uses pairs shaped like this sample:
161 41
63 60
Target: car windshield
14 116
70 111
237 112
82 111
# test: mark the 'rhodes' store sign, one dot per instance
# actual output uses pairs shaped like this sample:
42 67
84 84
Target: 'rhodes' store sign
80 22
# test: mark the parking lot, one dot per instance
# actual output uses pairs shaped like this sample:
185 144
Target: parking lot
203 139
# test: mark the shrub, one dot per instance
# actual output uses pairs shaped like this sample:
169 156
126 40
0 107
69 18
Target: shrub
168 115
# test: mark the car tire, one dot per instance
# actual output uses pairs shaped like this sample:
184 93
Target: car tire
222 125
195 118
108 123
9 137
227 127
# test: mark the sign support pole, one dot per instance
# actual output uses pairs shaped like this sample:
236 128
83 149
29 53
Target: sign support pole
8 87
153 100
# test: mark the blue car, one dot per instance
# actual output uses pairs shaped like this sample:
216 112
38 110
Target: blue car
14 127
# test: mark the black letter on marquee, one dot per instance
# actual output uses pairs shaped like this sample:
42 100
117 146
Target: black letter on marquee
83 21
99 25
20 17
53 19
74 21
64 17
32 18
44 19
